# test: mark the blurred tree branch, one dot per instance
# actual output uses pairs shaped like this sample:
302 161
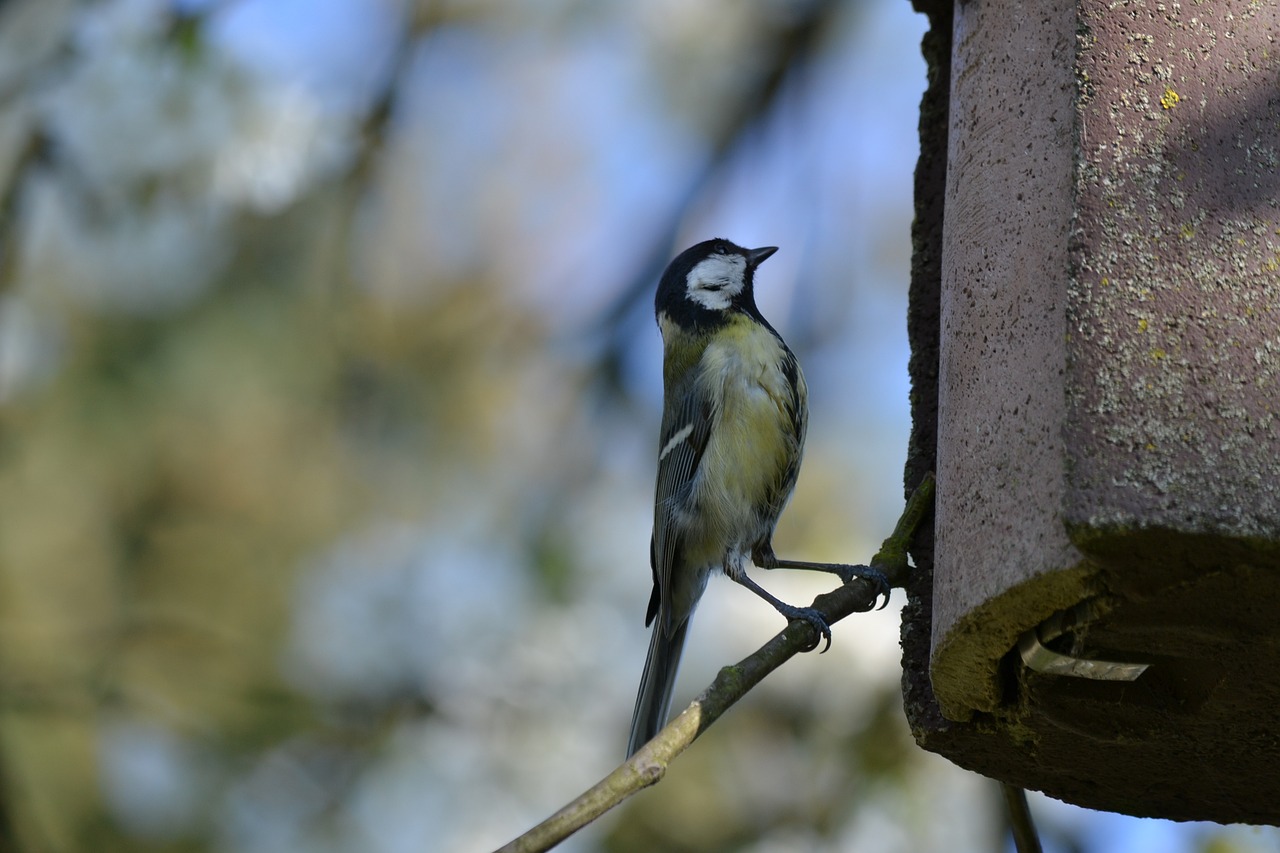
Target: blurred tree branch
649 765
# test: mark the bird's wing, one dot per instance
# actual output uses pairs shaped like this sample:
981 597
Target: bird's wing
795 408
686 427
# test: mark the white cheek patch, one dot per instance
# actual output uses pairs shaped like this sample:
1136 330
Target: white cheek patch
714 282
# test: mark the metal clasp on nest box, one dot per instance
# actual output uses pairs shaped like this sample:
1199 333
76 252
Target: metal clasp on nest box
1041 659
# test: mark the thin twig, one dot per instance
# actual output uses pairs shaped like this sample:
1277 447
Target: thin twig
650 763
1025 838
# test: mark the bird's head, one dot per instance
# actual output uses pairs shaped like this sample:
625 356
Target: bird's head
708 281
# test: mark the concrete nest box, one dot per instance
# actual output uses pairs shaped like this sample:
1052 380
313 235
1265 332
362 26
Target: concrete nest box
1096 367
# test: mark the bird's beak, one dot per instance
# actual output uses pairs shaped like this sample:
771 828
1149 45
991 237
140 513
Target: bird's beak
757 256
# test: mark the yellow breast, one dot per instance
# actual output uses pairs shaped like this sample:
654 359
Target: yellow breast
752 444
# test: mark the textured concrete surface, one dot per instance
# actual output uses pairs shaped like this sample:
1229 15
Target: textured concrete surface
1174 300
1001 407
1101 413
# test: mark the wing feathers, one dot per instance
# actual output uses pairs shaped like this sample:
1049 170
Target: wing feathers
685 431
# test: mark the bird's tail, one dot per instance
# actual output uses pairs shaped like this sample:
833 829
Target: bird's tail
654 699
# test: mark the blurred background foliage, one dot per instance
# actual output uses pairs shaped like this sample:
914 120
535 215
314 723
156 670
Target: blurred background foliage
328 395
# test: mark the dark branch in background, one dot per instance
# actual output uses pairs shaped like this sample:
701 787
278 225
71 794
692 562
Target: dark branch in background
375 128
788 48
1025 839
649 765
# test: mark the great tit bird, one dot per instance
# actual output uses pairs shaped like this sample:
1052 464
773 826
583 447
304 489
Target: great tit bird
734 417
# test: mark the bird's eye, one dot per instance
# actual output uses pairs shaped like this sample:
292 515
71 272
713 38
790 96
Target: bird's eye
713 285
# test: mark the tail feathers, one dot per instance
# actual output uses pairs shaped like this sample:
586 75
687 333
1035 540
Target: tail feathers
654 699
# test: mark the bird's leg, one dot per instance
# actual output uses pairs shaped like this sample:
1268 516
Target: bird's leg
737 572
766 559
789 611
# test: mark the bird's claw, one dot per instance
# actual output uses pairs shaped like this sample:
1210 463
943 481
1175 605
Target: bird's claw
816 620
872 576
